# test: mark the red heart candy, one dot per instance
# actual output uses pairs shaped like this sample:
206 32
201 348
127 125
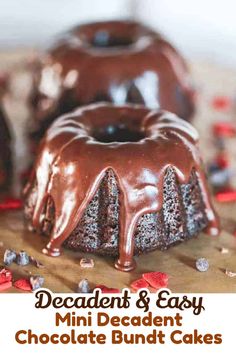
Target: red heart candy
156 280
139 284
5 286
224 129
5 276
23 284
106 290
221 103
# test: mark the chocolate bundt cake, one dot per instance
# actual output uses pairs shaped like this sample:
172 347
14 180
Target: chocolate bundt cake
5 144
118 181
116 61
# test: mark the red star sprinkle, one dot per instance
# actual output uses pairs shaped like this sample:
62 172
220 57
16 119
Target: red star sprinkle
221 103
224 129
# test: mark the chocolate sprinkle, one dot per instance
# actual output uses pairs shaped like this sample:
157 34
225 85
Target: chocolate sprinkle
22 258
202 264
9 257
36 282
86 263
83 287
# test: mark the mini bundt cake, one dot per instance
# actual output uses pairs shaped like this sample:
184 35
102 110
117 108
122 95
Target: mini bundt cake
116 61
5 144
118 181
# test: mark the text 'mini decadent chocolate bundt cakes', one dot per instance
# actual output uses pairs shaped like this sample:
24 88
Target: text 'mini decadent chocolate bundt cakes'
118 181
115 61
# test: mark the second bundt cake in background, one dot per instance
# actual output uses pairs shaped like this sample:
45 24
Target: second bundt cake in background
119 181
114 61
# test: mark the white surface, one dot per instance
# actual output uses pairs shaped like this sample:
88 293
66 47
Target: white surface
33 22
203 28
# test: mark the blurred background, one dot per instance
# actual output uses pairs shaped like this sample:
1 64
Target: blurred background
200 29
204 31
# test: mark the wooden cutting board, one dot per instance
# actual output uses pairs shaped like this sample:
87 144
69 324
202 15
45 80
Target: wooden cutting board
63 274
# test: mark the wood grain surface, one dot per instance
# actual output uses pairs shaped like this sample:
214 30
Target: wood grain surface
63 274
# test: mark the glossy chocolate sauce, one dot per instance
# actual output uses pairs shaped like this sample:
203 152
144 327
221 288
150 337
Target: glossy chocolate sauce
80 147
115 61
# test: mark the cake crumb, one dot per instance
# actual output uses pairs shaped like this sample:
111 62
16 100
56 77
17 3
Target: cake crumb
224 250
230 274
36 262
86 263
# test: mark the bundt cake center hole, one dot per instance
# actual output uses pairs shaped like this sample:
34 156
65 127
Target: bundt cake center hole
114 133
103 39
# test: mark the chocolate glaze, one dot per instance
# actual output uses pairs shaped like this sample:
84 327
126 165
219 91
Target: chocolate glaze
114 61
73 160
